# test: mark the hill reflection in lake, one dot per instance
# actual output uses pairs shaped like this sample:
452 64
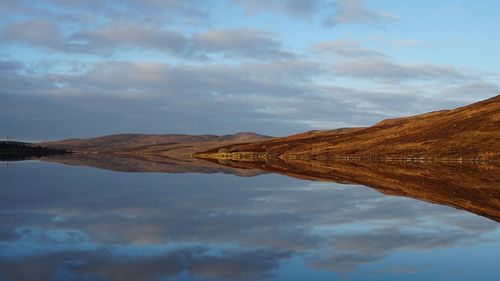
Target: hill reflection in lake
72 223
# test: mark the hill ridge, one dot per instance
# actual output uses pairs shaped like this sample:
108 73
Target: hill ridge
467 133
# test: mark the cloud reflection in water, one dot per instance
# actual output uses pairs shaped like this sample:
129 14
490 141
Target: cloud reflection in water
67 223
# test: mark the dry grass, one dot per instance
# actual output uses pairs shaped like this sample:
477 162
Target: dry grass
467 133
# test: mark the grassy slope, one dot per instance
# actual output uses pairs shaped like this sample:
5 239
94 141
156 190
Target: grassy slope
467 133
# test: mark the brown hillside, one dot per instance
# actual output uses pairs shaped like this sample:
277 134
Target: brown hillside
466 133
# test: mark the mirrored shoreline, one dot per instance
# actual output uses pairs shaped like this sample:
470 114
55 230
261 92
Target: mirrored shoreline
138 219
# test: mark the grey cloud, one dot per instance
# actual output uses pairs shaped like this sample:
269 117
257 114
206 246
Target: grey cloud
386 70
343 263
406 42
386 240
354 11
110 38
127 96
36 32
471 89
266 220
145 79
39 33
16 79
9 68
352 60
346 48
238 264
246 43
88 12
331 13
300 8
355 249
275 98
256 264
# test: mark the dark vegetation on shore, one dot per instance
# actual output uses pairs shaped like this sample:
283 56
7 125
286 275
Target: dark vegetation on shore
13 150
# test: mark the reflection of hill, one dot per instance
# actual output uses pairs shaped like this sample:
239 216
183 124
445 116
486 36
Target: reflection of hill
150 153
148 164
472 187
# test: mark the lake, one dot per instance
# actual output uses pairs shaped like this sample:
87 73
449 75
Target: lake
61 222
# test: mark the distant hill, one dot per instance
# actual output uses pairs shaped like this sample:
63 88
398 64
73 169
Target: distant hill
129 141
467 133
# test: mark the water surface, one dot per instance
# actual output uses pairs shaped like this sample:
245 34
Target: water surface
62 222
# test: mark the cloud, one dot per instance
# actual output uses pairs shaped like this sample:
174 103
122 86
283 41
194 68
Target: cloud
354 11
146 79
331 13
346 48
238 42
354 61
243 43
204 262
386 240
357 249
32 32
271 97
110 38
122 94
92 11
473 88
388 71
17 79
9 68
343 263
240 228
406 42
298 8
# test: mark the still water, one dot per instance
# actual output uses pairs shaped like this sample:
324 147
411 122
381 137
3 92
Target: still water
62 222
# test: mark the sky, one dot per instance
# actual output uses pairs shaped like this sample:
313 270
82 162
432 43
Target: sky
88 68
